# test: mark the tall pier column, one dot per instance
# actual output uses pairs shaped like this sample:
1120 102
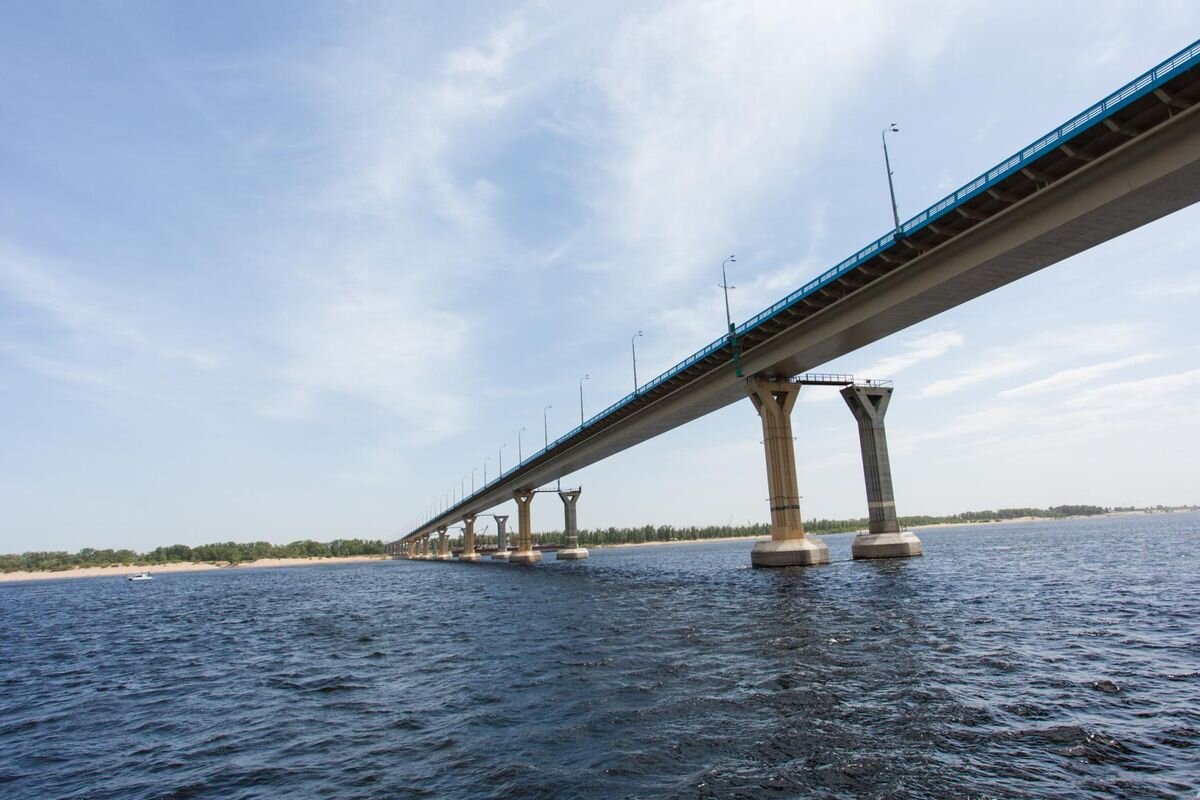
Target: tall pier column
525 554
425 546
773 399
883 539
571 551
501 553
468 551
443 545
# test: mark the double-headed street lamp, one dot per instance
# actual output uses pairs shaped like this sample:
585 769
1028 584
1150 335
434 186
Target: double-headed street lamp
546 424
486 459
500 458
633 349
520 455
892 128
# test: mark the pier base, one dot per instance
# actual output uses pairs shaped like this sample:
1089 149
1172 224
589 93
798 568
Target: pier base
790 553
900 544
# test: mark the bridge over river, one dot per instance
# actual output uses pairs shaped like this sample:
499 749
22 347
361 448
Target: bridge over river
1127 160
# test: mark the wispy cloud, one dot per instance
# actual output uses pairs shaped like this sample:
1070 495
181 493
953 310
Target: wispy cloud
926 348
85 316
1077 375
1182 287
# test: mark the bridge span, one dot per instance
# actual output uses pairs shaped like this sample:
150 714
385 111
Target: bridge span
1127 160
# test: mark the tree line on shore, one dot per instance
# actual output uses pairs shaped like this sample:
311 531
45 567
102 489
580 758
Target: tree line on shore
237 553
222 552
669 533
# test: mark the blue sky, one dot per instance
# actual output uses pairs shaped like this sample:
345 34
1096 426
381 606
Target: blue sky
285 270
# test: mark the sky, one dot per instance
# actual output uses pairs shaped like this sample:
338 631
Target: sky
285 270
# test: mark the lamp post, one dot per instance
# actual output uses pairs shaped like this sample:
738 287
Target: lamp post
546 424
633 349
473 471
520 455
733 342
892 128
725 285
581 380
486 459
463 493
500 459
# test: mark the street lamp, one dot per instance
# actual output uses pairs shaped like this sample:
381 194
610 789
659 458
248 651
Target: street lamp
633 349
500 458
546 424
892 128
581 380
463 493
725 285
473 471
520 455
486 459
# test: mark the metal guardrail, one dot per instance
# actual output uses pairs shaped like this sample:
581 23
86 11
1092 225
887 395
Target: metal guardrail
836 379
1095 114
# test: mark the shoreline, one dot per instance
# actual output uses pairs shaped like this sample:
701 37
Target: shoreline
929 526
268 563
179 566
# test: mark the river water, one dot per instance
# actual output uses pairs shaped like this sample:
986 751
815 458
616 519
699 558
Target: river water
1023 660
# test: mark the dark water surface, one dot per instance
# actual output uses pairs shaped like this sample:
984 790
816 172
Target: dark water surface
1025 660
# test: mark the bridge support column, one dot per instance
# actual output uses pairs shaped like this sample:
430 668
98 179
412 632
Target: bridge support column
525 554
883 539
572 551
424 546
443 545
774 399
501 553
468 552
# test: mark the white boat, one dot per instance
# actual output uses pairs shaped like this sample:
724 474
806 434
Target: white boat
141 576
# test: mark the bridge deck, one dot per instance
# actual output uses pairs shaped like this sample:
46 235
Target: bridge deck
1153 101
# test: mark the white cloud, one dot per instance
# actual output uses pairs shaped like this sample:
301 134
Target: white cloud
86 316
978 374
1182 287
913 352
1077 375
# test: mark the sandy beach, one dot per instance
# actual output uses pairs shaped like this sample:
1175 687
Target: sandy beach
162 569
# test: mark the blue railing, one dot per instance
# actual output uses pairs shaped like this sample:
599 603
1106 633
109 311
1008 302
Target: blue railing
1135 89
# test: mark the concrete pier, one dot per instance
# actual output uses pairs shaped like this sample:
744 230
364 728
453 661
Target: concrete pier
788 547
468 552
570 551
524 554
425 546
501 553
883 539
443 545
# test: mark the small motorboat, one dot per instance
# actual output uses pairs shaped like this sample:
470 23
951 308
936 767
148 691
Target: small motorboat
141 576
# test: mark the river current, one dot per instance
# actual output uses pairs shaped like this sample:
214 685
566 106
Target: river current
1049 660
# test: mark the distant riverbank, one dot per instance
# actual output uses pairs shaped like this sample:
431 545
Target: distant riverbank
959 524
185 566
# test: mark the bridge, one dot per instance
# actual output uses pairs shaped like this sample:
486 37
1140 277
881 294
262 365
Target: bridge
1125 161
